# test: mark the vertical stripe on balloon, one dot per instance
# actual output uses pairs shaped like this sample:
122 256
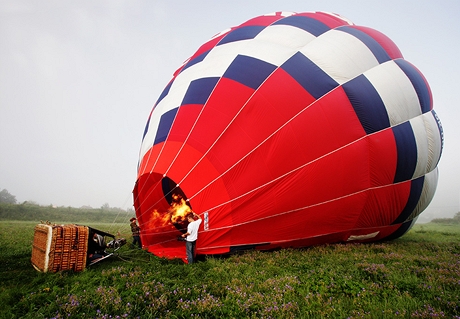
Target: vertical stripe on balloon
367 103
243 33
308 24
419 83
249 71
166 121
407 152
313 79
195 60
414 197
199 91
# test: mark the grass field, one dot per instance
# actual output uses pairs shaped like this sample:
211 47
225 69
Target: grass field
416 276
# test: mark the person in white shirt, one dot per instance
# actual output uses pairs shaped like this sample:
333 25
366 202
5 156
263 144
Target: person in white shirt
191 236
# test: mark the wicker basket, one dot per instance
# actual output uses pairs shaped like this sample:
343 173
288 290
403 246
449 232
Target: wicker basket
60 247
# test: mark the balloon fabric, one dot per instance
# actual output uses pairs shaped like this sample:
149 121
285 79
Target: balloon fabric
289 130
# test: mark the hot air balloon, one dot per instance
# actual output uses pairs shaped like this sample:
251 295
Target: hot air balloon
289 130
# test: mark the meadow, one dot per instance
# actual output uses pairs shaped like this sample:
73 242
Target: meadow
415 276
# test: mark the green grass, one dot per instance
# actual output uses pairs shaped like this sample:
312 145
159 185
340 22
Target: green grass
416 276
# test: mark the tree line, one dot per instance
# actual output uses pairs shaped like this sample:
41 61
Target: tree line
30 211
37 213
454 220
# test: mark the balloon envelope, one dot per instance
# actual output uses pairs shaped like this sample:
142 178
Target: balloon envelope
289 130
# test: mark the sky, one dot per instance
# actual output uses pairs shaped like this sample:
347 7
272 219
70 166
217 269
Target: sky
78 80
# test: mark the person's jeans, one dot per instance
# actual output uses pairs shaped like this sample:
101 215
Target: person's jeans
137 241
190 250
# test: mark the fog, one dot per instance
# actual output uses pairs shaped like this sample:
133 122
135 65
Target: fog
78 80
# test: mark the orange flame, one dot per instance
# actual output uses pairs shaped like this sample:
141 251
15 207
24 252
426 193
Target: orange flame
179 209
177 213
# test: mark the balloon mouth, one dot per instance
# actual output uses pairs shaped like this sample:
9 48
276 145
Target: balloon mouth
180 207
171 189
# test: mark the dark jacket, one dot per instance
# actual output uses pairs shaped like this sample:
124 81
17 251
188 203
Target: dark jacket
135 229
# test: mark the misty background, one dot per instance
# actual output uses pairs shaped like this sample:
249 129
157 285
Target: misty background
78 80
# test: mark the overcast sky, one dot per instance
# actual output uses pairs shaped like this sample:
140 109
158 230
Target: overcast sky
78 80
